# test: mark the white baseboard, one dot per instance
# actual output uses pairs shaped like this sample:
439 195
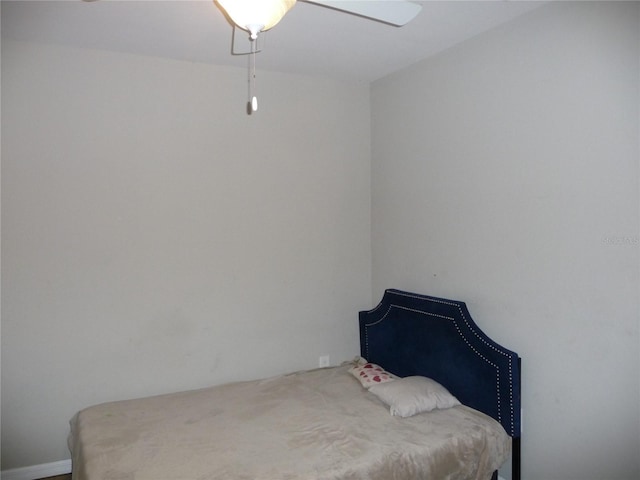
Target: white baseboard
35 472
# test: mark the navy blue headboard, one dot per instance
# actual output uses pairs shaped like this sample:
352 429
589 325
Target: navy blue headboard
412 334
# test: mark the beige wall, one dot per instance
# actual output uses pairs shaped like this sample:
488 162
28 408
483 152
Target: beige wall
143 251
505 173
156 238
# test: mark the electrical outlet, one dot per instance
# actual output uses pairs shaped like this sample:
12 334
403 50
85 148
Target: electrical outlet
323 361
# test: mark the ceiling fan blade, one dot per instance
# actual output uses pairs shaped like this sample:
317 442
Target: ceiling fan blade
394 12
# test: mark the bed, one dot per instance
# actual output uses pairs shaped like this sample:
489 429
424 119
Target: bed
363 419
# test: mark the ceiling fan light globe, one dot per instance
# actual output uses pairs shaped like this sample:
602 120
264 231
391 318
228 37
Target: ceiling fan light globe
250 14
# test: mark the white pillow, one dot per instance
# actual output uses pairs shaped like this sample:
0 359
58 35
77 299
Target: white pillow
412 395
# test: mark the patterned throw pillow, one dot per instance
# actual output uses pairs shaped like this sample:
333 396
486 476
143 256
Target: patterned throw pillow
371 374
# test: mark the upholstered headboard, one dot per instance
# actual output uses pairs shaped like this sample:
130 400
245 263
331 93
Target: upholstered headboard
412 334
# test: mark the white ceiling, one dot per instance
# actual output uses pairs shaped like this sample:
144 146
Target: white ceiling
310 40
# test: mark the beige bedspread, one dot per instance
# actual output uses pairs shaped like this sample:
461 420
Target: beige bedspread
319 425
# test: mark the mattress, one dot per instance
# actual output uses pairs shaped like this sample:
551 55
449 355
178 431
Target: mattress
313 425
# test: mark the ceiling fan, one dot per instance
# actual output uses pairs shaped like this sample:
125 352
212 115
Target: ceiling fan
255 16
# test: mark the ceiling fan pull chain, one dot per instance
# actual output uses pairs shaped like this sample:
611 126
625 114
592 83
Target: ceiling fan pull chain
253 100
